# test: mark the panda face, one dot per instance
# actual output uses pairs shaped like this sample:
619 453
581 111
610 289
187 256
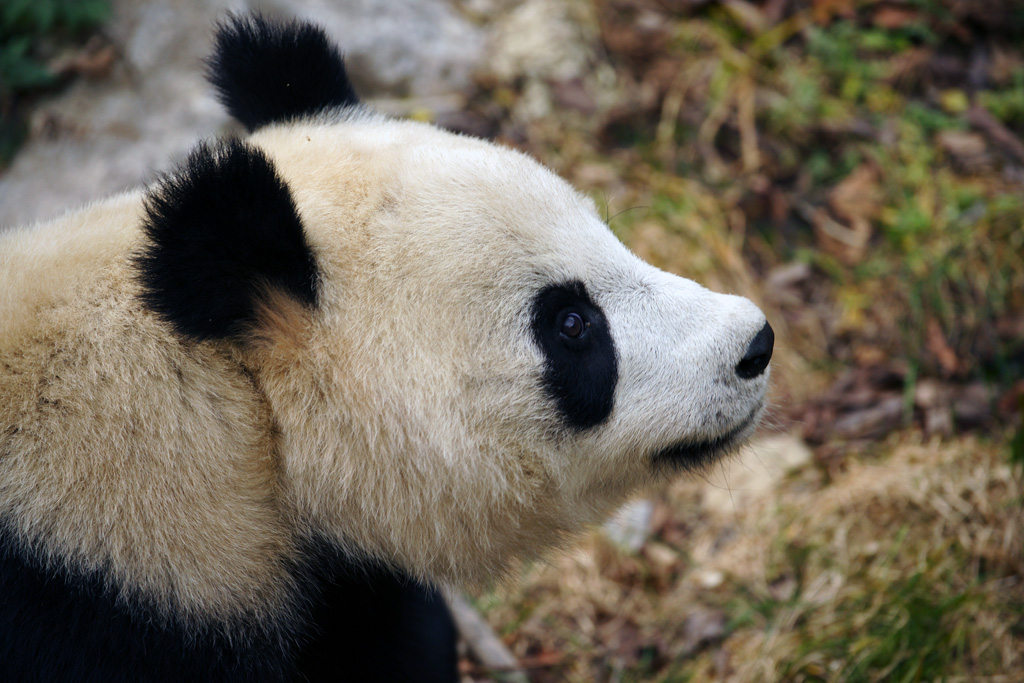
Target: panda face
504 366
620 353
462 363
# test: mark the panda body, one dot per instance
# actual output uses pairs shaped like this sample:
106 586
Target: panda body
251 415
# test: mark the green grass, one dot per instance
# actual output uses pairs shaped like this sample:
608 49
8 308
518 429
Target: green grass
903 630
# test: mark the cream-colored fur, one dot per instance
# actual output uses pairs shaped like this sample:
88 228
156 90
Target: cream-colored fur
403 417
121 448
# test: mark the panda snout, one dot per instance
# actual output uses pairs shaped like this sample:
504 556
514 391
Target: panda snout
758 353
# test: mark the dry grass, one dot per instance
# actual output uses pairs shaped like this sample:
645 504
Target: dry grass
907 566
835 162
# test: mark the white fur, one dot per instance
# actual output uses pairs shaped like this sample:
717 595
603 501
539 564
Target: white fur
428 302
404 417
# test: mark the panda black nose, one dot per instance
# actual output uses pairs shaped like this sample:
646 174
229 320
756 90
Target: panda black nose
755 360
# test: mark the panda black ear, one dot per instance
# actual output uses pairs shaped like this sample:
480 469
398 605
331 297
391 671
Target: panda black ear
221 232
266 72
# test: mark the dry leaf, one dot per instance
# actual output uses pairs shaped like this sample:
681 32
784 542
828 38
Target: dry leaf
855 203
967 150
856 197
941 350
825 10
893 17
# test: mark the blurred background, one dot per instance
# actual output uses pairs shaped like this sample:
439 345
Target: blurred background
855 167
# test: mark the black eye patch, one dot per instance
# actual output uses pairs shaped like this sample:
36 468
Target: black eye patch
581 368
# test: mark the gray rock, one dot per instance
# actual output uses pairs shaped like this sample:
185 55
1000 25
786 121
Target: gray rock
103 137
98 138
396 47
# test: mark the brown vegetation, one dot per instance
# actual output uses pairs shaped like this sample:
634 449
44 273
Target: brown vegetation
857 168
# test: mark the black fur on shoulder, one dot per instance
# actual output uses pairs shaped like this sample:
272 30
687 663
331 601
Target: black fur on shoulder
351 622
266 72
220 231
64 625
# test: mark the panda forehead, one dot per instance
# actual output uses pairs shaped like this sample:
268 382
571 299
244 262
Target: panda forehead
420 161
499 204
496 188
485 204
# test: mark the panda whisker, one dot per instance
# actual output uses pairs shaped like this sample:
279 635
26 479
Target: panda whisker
624 211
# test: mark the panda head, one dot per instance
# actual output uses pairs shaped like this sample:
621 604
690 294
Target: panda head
464 365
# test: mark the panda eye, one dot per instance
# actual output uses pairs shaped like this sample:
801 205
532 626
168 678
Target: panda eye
580 368
573 325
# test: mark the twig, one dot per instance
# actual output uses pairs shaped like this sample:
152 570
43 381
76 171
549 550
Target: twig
980 118
483 642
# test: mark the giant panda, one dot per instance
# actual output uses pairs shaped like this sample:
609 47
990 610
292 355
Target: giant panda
253 415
